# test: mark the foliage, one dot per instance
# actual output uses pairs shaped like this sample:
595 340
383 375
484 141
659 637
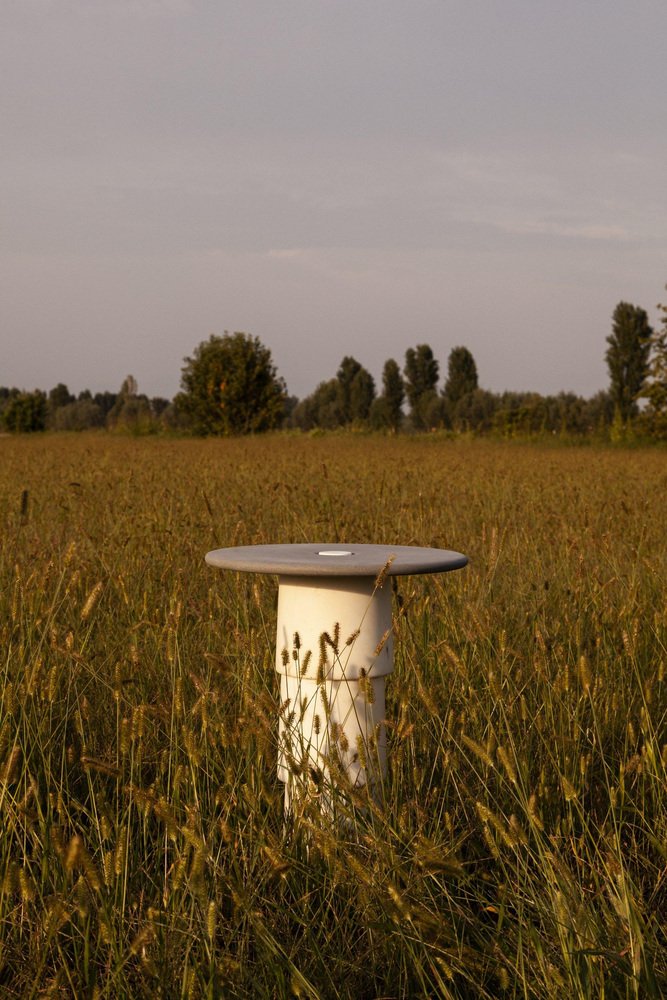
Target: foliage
323 408
627 357
599 410
158 405
6 394
60 396
507 414
132 412
340 402
474 410
81 415
462 376
387 410
230 386
25 412
393 390
127 394
519 847
135 416
655 389
125 410
356 389
105 400
362 395
421 377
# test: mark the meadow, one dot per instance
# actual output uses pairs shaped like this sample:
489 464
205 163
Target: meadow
519 848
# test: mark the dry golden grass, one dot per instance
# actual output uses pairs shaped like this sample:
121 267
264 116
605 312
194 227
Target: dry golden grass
520 847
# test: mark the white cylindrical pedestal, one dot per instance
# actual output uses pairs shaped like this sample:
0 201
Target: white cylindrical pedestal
334 650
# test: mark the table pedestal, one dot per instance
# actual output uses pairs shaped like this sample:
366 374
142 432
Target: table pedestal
334 650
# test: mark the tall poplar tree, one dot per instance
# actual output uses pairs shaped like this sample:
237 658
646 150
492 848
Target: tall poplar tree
627 357
386 412
393 391
356 389
461 374
421 377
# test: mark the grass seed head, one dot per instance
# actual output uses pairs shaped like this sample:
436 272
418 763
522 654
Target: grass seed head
108 867
381 644
211 920
478 750
10 768
91 601
121 852
585 674
382 575
361 751
507 763
369 691
73 856
26 885
306 662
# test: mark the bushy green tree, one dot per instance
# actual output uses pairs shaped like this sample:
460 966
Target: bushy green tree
25 412
230 386
627 357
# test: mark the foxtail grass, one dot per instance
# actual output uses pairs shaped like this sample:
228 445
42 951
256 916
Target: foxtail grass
518 846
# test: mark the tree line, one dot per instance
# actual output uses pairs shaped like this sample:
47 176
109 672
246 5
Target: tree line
60 410
230 386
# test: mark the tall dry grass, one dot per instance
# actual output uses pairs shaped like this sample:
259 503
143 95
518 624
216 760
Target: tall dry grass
519 848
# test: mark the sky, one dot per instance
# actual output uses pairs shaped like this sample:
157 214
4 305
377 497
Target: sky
335 177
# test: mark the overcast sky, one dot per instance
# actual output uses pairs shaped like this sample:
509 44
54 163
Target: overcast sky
333 176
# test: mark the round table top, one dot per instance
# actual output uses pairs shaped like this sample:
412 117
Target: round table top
335 559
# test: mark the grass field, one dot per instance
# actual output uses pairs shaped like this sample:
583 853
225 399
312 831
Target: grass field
520 848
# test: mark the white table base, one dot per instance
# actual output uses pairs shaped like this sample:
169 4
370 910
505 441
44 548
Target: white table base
333 653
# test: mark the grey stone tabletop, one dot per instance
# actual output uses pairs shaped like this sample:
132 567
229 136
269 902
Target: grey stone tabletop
322 559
